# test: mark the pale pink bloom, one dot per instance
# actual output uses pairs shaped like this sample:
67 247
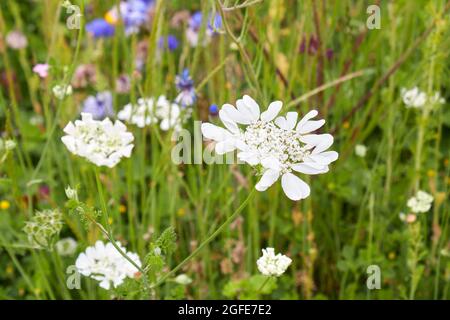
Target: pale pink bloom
41 69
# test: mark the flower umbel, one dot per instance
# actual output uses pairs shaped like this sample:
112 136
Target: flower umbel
277 146
272 265
151 110
100 142
421 202
414 98
43 227
106 265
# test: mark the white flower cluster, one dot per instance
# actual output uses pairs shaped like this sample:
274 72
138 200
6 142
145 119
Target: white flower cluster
66 246
361 150
105 264
150 110
421 202
61 91
414 98
272 265
279 145
100 142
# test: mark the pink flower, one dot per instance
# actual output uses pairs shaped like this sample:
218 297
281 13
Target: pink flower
16 40
41 69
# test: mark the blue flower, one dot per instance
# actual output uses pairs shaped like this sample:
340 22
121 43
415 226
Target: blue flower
100 28
185 85
196 21
184 81
213 110
135 15
100 106
170 42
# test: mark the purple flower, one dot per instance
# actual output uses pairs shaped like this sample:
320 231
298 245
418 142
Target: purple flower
185 85
100 28
134 13
123 84
195 22
100 106
170 42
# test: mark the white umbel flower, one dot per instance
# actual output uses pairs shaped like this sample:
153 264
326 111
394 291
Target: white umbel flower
272 265
413 98
100 142
106 265
66 246
421 202
361 150
437 98
277 145
61 91
150 110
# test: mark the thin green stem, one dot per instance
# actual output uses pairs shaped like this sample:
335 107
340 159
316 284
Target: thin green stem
207 241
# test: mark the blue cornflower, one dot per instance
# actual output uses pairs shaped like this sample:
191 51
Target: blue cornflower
213 110
100 28
170 42
135 15
100 106
195 23
185 85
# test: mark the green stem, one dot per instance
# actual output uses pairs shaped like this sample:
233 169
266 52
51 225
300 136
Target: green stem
264 284
208 240
108 233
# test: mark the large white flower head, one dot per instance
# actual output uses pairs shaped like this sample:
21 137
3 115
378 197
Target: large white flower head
150 110
272 265
421 202
413 98
100 142
106 265
278 146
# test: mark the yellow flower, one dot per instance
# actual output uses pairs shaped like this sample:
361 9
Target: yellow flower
391 255
111 17
431 173
4 205
122 208
9 270
181 212
346 125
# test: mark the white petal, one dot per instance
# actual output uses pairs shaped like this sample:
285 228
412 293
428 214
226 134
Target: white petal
252 106
268 178
250 157
244 110
225 146
326 140
228 122
271 163
291 118
310 126
307 117
236 115
294 187
307 169
282 123
214 132
272 111
69 128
